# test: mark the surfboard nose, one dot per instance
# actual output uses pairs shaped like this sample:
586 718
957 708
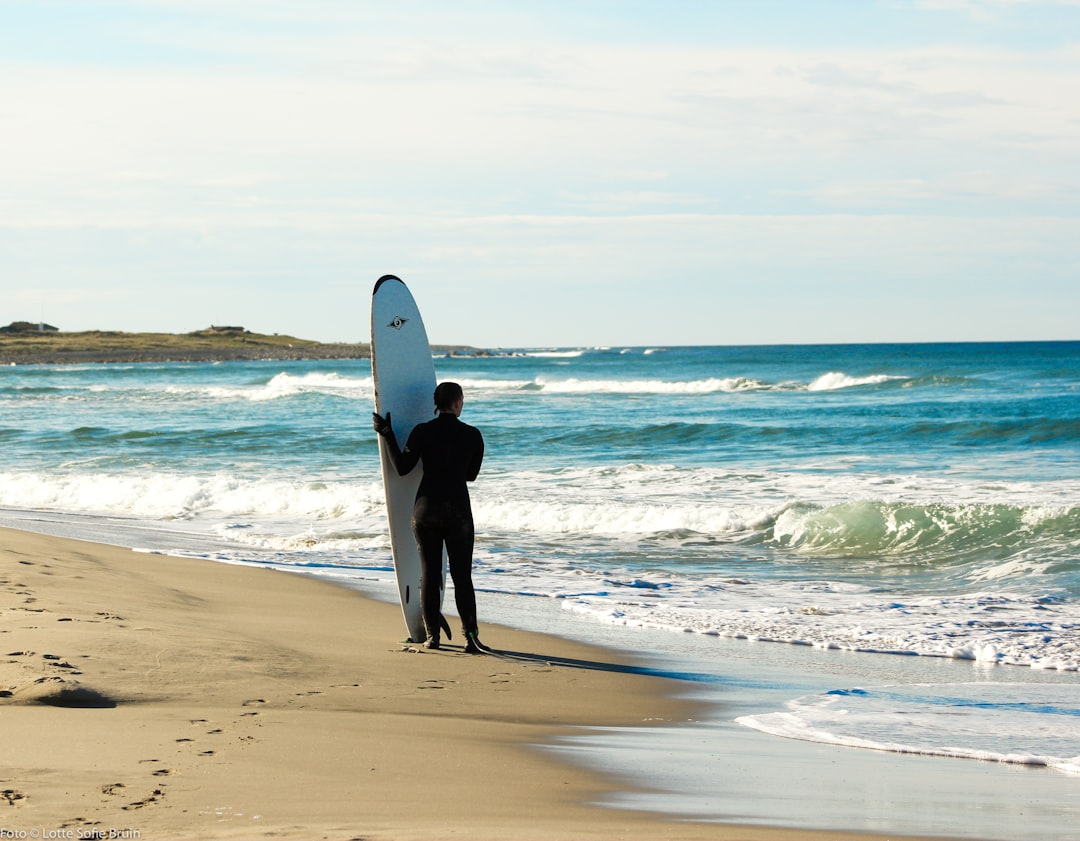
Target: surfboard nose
384 279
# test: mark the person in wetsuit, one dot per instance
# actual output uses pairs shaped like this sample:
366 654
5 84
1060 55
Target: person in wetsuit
451 452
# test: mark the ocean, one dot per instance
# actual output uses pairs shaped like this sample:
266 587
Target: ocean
899 507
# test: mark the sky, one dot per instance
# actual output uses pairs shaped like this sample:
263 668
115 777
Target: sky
545 172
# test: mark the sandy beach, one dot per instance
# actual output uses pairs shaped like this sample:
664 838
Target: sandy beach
158 697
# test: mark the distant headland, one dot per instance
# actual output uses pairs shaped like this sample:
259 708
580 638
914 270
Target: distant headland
27 343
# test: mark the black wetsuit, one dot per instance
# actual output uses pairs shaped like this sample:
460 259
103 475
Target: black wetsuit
451 452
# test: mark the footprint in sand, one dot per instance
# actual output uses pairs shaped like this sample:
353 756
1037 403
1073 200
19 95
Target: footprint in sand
57 662
151 798
435 683
81 821
13 796
160 772
113 788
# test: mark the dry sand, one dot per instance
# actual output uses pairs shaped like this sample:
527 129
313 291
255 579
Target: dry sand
145 696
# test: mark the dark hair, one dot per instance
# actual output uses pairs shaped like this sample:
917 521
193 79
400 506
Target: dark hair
447 394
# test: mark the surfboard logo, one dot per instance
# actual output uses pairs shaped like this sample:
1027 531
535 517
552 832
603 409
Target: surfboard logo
398 322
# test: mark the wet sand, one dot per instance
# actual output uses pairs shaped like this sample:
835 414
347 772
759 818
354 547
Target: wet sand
165 698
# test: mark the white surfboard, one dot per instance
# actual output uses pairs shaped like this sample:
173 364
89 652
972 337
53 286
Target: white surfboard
404 377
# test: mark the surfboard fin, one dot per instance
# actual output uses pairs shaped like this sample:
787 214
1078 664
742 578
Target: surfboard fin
445 626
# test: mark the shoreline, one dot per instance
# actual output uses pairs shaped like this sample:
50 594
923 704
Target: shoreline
215 344
253 354
255 703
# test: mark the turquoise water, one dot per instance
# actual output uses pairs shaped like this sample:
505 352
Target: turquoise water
886 499
940 479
